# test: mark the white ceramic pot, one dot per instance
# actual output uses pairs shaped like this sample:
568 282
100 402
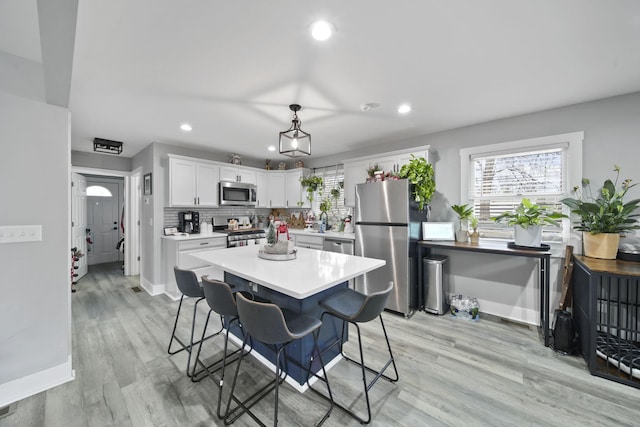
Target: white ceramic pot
531 236
461 236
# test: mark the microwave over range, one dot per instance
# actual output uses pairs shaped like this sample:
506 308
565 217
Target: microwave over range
237 194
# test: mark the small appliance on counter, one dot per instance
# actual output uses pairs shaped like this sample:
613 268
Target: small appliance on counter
189 222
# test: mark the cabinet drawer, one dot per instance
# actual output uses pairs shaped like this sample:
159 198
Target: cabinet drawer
211 243
312 241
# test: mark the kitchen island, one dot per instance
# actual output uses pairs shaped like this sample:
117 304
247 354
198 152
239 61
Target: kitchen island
296 285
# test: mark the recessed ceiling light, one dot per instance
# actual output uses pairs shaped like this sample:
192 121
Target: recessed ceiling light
322 30
404 108
272 148
186 127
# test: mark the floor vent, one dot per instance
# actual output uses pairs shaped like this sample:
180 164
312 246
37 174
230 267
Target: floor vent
136 289
6 411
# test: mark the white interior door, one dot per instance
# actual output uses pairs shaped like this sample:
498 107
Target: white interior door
79 221
104 223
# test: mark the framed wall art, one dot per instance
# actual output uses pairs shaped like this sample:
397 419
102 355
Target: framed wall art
147 184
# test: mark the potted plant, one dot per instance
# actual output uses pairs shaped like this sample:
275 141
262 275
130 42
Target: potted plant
528 219
420 173
474 236
464 212
311 184
602 218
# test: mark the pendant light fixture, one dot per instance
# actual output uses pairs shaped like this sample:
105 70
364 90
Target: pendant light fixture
295 142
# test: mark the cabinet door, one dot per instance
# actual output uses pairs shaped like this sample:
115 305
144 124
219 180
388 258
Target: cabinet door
228 173
247 176
207 184
354 173
276 186
262 199
182 183
294 191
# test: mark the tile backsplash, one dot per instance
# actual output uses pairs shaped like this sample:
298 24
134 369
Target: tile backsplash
171 214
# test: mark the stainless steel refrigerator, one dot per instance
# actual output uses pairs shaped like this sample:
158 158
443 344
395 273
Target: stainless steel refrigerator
388 226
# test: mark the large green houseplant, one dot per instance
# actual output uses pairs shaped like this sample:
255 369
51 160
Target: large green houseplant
528 219
420 173
604 216
311 184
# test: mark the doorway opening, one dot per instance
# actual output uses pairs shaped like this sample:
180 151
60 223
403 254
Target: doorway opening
105 215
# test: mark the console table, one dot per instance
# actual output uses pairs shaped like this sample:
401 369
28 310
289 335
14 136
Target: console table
499 248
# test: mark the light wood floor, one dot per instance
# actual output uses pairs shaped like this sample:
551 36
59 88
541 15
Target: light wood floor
452 372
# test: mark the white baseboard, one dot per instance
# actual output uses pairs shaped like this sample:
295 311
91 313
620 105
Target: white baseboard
518 314
24 387
151 289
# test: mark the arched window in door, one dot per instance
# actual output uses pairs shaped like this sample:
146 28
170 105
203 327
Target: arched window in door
98 191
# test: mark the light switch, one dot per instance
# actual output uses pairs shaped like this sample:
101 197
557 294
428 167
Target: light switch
20 233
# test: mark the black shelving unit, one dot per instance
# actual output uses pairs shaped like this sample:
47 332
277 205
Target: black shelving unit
606 312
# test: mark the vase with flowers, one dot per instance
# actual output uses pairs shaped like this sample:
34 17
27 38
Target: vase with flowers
604 215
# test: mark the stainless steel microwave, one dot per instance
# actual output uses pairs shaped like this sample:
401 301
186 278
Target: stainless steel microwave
237 194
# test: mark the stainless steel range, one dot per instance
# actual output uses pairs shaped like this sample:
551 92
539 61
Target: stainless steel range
244 235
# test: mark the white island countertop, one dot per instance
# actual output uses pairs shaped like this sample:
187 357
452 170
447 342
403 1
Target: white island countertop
311 272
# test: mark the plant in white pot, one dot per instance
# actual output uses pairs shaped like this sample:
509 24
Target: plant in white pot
527 221
464 212
602 218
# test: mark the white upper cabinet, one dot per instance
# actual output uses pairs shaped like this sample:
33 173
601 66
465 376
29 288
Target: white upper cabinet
296 196
262 190
238 174
355 170
276 189
192 183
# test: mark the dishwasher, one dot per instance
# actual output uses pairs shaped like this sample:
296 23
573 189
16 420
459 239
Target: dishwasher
341 246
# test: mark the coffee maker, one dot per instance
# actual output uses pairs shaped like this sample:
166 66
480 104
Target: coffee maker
189 222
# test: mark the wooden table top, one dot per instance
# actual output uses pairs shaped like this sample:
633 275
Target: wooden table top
611 266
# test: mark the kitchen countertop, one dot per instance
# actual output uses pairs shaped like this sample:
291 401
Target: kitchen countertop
337 234
311 272
195 236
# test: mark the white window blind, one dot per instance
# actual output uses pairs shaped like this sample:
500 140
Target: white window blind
333 178
499 181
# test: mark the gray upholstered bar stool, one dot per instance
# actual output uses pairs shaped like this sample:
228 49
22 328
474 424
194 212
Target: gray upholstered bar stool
222 300
188 285
271 325
354 307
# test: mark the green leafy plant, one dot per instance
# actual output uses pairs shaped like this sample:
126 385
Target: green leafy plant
529 214
420 173
372 170
606 212
473 221
335 193
464 212
325 205
311 184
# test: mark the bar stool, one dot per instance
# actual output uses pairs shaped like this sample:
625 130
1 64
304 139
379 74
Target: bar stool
188 285
272 325
354 307
221 299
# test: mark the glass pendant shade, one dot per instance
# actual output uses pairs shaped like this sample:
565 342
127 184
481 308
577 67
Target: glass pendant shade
295 142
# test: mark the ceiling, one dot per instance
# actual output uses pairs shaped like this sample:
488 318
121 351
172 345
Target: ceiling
230 69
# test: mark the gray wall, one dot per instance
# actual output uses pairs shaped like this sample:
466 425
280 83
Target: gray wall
34 277
100 161
506 285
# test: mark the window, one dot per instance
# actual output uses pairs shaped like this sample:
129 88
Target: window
496 178
333 179
98 191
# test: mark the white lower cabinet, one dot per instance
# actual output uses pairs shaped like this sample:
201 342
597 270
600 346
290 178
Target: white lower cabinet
180 253
308 241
